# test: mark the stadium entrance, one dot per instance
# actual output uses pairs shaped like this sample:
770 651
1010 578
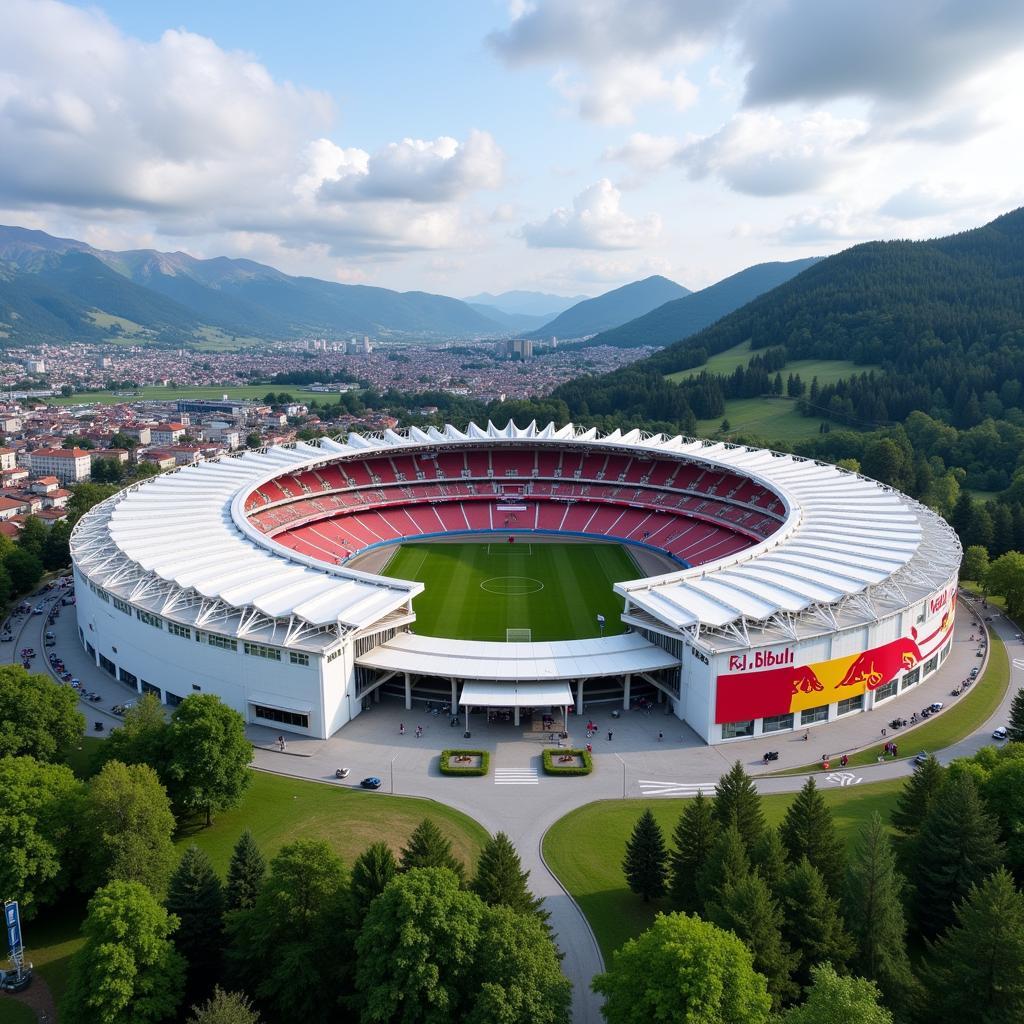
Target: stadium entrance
516 697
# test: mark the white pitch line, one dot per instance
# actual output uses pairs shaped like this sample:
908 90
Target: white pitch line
709 786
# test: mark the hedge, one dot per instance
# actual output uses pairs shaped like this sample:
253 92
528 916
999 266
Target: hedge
552 767
447 768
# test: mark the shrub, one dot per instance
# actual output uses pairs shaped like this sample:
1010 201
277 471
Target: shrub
448 768
552 767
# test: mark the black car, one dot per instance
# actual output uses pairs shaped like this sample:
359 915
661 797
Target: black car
370 782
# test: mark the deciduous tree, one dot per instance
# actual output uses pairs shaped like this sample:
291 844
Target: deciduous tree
832 999
225 1008
38 717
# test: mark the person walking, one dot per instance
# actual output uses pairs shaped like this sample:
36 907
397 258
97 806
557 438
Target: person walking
609 735
401 728
661 736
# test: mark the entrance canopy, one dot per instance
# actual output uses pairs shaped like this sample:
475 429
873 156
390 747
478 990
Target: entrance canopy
515 695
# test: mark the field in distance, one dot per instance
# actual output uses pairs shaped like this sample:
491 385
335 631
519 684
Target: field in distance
170 394
477 591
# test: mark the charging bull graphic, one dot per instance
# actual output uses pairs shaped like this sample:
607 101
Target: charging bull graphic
778 691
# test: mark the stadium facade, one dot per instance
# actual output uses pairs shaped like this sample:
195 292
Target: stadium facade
799 592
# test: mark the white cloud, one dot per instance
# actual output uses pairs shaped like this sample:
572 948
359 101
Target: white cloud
835 223
931 198
762 155
596 221
611 94
645 152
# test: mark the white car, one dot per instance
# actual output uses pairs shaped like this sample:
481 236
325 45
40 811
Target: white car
1000 733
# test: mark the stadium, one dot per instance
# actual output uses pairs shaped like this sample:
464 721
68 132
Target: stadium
517 570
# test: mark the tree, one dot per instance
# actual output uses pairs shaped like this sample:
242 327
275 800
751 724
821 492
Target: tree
416 949
85 495
746 908
125 829
208 755
33 537
253 439
1006 578
142 737
975 971
38 717
24 569
809 831
912 805
883 461
500 880
957 848
225 1008
814 924
975 564
727 862
1015 730
517 978
246 871
293 947
771 862
56 548
428 847
371 872
646 862
874 912
832 999
686 971
128 971
196 898
37 824
737 802
693 837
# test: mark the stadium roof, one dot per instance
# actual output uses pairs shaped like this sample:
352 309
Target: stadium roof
185 538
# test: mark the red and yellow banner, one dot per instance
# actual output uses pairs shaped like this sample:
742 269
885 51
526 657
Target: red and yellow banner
778 691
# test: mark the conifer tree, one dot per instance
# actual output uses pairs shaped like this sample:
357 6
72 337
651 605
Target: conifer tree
371 872
874 914
746 908
727 862
646 862
958 847
245 874
737 802
814 924
808 831
693 836
975 971
771 862
429 848
1015 730
912 804
196 898
500 880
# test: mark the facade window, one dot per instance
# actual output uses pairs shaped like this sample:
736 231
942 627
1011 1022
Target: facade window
262 651
225 643
335 655
92 650
149 618
122 606
151 688
172 700
887 691
945 650
127 677
284 717
776 723
108 666
298 659
912 677
844 707
811 715
931 664
730 730
176 630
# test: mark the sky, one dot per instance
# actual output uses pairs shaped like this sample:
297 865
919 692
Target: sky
460 146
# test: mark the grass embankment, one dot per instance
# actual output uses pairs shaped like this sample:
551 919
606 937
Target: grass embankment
477 591
277 811
585 850
956 722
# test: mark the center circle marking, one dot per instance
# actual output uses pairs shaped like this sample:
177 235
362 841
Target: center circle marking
512 586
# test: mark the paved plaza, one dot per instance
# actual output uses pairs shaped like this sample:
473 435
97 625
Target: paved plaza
517 798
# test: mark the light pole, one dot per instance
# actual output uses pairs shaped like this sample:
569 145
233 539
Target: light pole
392 768
623 763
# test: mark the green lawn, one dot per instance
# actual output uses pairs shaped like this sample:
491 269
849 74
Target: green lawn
12 1012
772 419
166 394
585 849
477 591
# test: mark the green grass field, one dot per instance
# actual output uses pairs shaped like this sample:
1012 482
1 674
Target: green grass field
772 419
477 591
585 849
167 394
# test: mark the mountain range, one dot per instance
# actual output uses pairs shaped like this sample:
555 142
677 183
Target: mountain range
540 304
613 308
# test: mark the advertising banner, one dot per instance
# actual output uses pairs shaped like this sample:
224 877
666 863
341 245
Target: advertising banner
759 684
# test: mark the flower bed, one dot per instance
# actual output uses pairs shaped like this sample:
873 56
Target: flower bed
582 763
475 762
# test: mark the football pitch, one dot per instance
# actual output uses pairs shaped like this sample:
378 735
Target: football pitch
497 591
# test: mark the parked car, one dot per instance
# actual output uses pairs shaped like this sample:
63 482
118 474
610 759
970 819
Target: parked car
38 610
935 706
1000 733
370 782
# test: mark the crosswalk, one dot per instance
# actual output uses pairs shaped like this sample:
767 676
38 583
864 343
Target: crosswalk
652 787
517 777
